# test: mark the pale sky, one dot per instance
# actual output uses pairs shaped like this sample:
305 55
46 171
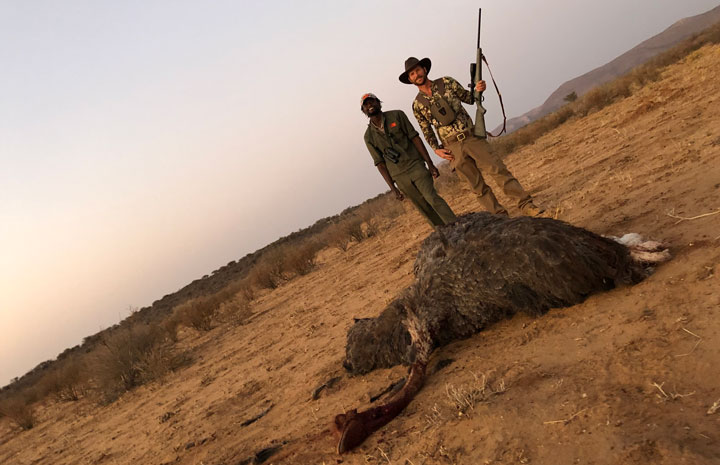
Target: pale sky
144 144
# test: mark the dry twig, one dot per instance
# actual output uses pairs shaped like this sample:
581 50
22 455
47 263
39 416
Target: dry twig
659 386
691 333
680 219
714 407
565 421
672 395
699 340
382 452
691 350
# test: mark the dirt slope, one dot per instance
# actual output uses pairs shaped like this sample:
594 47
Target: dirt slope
625 378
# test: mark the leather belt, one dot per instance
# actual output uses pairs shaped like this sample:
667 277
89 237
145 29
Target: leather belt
458 137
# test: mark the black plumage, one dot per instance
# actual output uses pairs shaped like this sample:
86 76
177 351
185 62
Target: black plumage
484 268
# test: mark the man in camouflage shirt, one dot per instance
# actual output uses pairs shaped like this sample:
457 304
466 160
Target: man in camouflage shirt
400 157
439 104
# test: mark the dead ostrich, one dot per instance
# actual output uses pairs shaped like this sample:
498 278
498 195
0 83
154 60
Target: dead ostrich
475 272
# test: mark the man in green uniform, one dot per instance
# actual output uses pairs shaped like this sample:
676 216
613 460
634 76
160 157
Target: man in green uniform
439 104
400 157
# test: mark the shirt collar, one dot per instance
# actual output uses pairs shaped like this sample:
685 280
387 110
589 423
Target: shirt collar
382 123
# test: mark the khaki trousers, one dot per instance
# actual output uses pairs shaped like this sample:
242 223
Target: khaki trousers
417 185
472 159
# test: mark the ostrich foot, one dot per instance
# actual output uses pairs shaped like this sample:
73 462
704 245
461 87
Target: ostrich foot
352 428
350 431
643 251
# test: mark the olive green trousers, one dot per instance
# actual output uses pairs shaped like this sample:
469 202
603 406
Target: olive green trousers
473 158
417 185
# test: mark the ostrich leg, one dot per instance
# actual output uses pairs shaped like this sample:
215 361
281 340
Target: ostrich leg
352 428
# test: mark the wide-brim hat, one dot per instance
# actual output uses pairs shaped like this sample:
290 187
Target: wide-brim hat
412 63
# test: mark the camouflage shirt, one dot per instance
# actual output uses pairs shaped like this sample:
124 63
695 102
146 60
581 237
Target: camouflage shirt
455 94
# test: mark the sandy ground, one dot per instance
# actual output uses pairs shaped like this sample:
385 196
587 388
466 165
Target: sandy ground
625 378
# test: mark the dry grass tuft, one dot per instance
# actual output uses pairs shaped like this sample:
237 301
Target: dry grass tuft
465 397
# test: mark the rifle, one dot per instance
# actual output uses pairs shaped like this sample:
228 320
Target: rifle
475 76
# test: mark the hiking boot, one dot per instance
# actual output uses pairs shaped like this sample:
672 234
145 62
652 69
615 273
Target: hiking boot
530 209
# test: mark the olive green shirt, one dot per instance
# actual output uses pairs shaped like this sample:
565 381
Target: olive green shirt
398 135
455 94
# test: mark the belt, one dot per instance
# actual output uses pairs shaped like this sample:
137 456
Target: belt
457 137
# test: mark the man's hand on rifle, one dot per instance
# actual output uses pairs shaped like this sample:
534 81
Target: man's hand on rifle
444 153
480 86
434 171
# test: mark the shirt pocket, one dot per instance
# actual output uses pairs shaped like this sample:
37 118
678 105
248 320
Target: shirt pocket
397 137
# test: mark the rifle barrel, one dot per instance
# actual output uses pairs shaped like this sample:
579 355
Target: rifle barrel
479 22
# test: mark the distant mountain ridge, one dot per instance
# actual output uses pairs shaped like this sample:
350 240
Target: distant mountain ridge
636 56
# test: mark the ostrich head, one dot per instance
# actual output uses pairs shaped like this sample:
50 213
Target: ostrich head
379 342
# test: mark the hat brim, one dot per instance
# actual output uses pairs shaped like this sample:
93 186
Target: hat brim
425 63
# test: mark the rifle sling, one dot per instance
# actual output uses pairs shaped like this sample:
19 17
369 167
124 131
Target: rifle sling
502 106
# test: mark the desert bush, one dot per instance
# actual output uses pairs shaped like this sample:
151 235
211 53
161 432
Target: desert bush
18 408
372 227
356 226
301 259
369 215
247 290
336 235
353 226
131 356
158 361
242 286
237 310
387 206
571 97
198 313
268 271
170 326
66 381
447 183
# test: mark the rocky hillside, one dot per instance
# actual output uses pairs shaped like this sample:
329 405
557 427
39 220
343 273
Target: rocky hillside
671 36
